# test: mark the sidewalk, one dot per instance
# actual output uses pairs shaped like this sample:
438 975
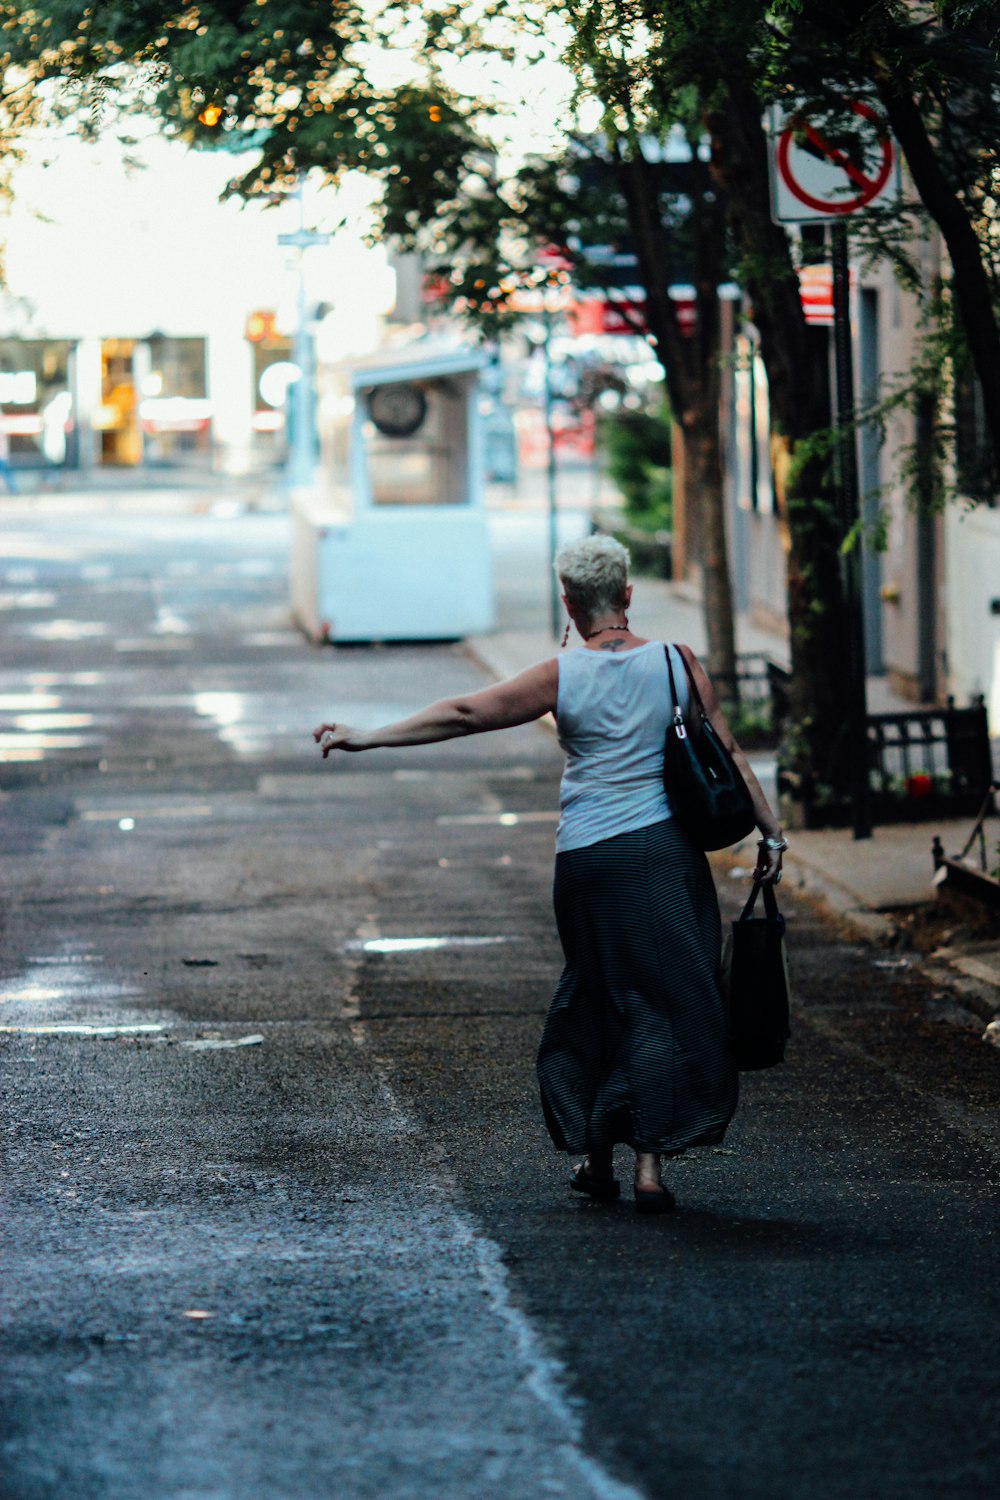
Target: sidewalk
861 881
182 489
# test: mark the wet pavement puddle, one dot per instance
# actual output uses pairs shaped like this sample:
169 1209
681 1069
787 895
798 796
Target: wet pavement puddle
68 630
130 815
41 723
223 1044
500 819
57 987
12 703
32 994
31 599
153 643
72 1028
67 679
64 984
274 638
31 726
422 944
51 959
167 623
33 747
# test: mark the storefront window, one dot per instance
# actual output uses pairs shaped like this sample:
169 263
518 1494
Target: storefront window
273 371
174 410
36 409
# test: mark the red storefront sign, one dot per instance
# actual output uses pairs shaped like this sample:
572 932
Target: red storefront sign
626 314
816 291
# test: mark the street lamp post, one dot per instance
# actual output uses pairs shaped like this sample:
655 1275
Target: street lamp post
550 461
303 452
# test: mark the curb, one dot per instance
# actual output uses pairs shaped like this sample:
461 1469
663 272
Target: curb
969 978
869 925
975 980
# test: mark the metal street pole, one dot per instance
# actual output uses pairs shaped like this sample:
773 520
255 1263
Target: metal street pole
550 449
847 473
303 455
302 452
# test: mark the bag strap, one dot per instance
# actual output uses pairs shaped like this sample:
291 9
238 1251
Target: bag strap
678 714
770 902
695 696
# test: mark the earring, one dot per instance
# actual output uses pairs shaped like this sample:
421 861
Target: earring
566 634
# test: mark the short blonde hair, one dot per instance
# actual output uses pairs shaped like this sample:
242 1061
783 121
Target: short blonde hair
594 574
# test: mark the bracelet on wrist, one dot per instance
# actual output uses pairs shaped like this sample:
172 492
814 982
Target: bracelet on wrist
778 845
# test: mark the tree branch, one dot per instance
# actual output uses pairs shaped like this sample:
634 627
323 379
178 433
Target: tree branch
971 284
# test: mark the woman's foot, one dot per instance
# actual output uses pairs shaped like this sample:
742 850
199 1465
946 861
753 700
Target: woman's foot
595 1176
651 1197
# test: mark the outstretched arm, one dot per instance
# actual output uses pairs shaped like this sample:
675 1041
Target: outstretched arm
518 700
769 860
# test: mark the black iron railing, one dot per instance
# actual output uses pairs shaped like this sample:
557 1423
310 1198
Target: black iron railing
760 690
929 762
923 764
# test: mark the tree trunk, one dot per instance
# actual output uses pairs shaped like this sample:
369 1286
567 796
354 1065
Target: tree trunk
969 276
693 386
798 381
703 466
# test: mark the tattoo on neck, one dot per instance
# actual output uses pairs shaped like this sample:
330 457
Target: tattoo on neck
612 646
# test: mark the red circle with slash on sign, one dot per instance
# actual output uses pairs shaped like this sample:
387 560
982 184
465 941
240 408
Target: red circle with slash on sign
868 187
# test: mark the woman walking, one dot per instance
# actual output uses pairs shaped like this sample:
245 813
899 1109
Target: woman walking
634 1048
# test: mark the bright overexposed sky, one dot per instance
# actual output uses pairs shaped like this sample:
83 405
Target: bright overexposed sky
94 247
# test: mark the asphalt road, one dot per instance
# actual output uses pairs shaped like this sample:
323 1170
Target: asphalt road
282 1221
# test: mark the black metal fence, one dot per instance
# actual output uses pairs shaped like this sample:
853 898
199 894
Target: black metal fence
923 764
760 691
929 762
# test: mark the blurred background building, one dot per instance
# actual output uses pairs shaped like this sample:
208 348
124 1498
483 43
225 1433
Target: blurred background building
141 314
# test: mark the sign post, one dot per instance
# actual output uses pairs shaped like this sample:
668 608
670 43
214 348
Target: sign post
815 180
847 477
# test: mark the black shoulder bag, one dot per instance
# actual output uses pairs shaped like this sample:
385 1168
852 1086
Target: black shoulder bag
709 797
754 983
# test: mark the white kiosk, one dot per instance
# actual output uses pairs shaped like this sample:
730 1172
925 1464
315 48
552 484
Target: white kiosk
397 548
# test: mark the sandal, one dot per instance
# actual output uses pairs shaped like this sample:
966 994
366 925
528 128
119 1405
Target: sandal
601 1190
654 1200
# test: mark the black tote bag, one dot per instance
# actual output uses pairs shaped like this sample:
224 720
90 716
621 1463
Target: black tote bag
709 797
755 984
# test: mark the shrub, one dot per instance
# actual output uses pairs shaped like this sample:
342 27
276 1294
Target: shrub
637 459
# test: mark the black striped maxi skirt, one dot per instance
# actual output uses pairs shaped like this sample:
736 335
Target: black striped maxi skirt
634 1047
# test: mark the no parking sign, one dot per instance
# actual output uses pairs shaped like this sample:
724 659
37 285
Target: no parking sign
815 177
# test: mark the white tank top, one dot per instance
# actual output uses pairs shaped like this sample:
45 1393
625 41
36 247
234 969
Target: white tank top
612 715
